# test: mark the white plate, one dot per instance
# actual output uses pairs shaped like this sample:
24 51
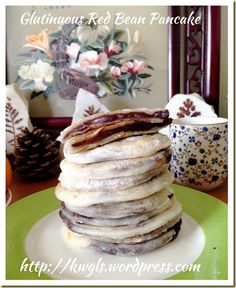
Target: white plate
44 243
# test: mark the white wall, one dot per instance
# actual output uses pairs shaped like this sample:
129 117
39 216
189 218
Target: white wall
154 37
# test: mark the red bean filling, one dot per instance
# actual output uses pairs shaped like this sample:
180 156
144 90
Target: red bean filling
104 119
129 128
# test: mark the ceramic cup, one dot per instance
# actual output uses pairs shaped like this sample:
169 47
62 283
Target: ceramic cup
200 147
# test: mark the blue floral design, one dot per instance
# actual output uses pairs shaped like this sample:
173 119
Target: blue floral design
191 181
215 178
199 158
192 161
191 139
214 160
181 169
216 137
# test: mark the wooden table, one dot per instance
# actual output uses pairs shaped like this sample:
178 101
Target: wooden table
22 188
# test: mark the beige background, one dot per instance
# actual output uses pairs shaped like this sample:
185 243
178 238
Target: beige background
153 36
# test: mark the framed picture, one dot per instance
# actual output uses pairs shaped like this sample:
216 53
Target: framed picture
55 111
199 74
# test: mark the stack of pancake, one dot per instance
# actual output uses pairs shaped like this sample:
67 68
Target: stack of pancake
115 184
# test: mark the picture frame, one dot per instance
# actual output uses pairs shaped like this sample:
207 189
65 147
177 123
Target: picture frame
200 73
201 55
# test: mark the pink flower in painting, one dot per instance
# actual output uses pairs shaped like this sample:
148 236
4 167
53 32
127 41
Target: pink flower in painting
135 67
113 49
91 60
127 67
139 67
72 50
115 71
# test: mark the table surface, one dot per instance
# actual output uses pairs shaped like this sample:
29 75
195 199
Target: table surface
21 188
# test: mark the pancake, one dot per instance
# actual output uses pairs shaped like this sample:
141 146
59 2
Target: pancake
84 198
113 184
135 239
129 220
76 242
124 209
129 148
103 128
115 169
125 231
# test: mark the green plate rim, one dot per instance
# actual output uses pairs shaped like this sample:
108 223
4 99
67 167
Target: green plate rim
205 209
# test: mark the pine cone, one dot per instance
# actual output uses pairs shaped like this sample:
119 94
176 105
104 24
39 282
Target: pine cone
36 155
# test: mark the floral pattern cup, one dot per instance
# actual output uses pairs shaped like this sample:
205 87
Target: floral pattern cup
200 148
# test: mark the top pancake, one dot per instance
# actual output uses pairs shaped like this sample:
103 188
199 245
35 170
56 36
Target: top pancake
103 128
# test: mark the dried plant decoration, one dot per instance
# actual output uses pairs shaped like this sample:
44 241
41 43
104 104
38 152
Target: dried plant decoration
188 109
13 122
91 110
16 116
